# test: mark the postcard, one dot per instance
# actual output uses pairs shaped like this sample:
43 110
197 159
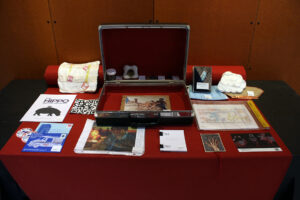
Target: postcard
49 108
145 103
212 143
255 142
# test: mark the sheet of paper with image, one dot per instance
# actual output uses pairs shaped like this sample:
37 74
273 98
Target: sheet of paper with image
49 108
172 140
111 140
224 117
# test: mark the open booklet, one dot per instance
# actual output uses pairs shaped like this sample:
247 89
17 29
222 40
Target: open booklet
111 140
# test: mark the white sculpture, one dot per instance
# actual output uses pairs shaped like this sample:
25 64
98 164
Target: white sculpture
231 82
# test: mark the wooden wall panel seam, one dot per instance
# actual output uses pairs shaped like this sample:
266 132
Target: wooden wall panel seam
53 32
248 66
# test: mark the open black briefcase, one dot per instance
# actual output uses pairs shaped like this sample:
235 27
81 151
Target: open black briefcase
158 94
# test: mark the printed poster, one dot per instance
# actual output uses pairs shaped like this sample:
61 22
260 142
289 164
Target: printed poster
49 108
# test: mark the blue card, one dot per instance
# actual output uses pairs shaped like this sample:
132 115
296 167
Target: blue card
48 137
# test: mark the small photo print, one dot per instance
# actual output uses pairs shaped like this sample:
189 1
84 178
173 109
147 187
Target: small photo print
145 103
212 143
255 142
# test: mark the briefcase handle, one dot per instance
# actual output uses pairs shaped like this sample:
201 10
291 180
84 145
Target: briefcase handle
137 124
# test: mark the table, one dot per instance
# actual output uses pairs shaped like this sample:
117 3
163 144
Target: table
159 177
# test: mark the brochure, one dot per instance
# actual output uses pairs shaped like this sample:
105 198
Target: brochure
111 140
49 108
48 137
172 140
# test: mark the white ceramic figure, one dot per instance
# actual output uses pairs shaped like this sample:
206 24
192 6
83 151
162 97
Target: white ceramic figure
231 82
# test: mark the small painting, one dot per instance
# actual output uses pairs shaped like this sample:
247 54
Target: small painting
145 103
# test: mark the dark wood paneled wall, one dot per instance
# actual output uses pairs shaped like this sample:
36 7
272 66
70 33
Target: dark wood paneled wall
26 39
221 31
262 35
275 51
76 27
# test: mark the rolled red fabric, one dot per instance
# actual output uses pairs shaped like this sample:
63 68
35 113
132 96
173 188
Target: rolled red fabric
51 75
217 72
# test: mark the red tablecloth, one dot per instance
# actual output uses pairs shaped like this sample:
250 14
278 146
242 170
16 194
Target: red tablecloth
155 175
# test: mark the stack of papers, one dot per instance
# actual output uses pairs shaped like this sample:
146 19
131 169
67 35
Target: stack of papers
172 140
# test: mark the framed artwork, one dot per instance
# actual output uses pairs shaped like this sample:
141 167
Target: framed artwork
145 103
233 115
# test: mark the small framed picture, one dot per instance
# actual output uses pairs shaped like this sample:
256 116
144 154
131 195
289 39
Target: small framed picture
145 103
212 143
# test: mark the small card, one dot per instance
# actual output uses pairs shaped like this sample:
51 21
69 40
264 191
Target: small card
175 78
255 142
250 93
172 140
161 77
142 77
212 143
202 86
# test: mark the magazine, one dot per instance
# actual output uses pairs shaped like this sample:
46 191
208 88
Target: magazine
111 140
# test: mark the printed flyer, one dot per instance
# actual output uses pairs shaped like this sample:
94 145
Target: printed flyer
49 108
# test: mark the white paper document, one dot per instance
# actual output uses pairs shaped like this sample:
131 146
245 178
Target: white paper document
49 108
172 140
111 140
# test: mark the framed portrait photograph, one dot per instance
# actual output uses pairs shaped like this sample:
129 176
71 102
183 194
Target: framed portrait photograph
145 103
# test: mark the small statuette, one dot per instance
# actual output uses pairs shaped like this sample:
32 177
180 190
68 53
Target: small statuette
111 74
130 72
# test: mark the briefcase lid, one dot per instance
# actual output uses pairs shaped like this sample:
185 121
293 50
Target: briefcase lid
157 50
